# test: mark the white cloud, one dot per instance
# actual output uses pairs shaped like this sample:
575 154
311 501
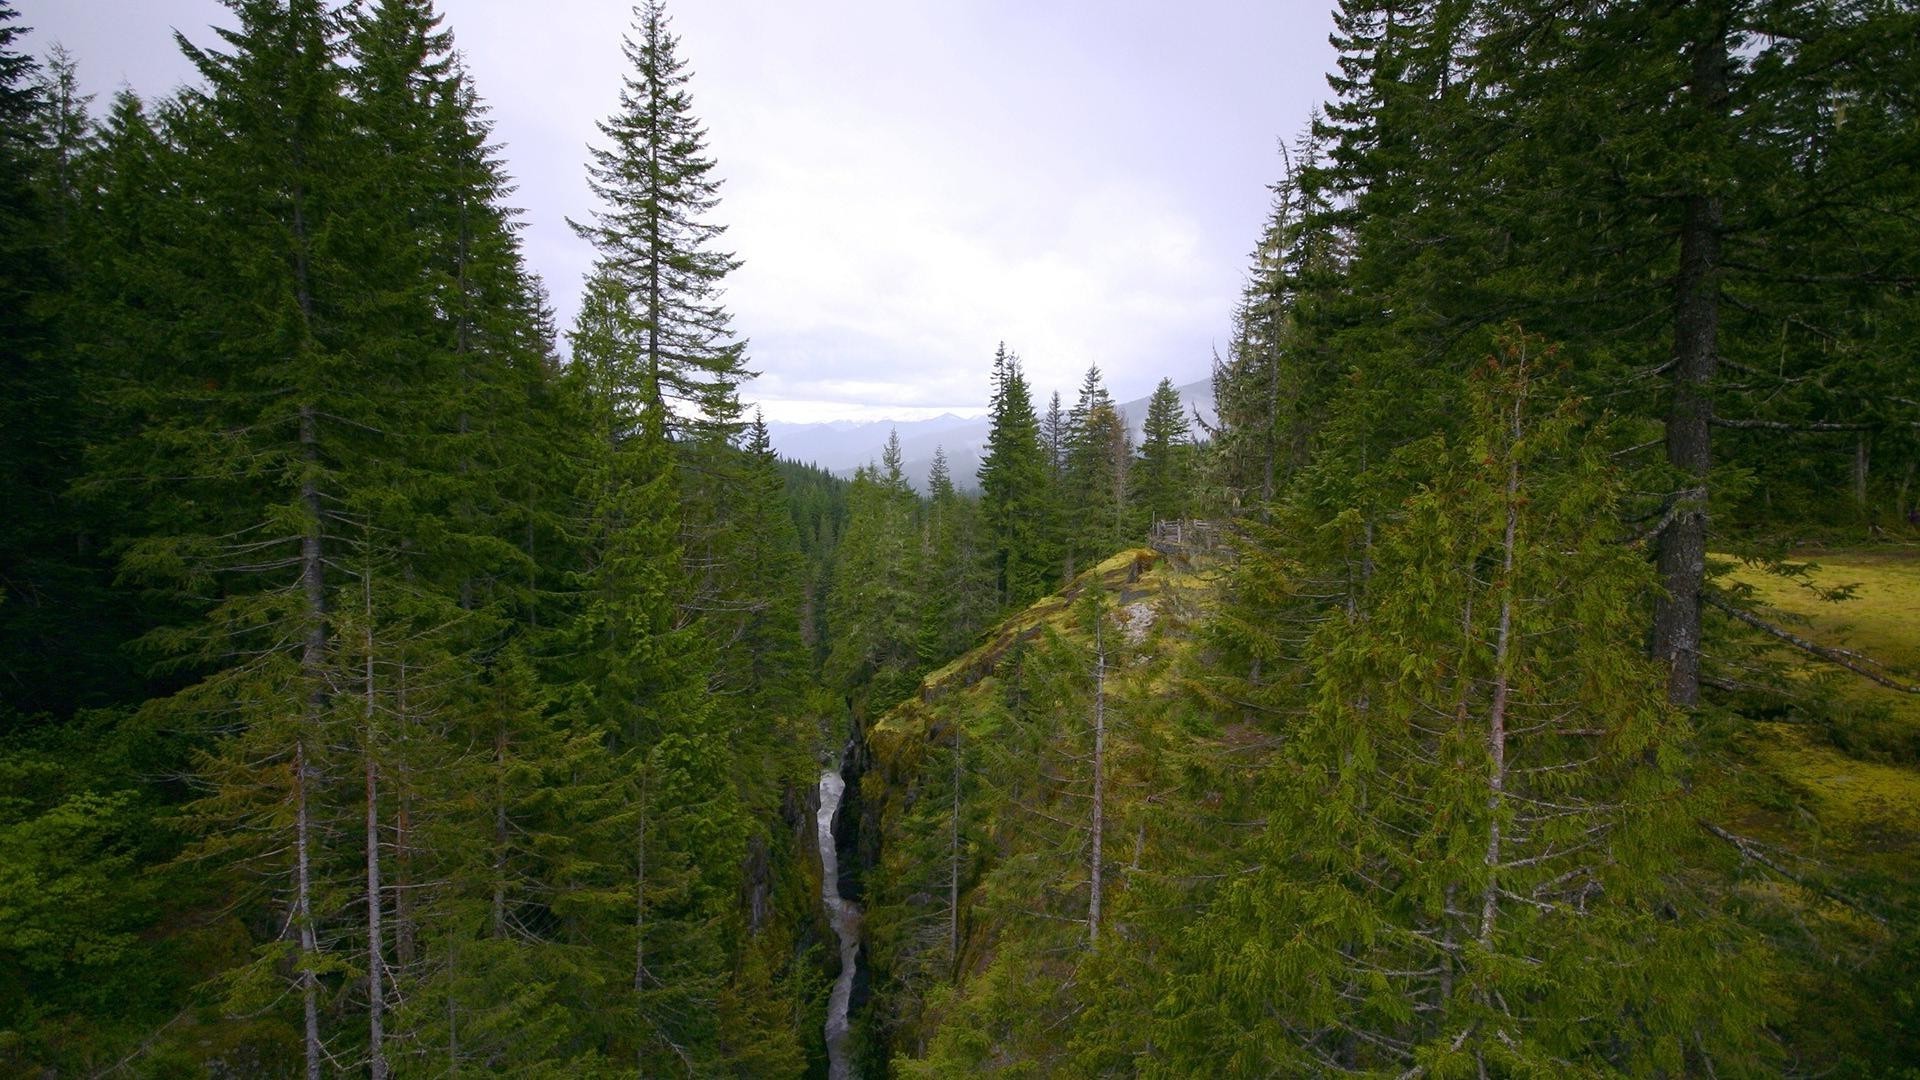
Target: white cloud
908 183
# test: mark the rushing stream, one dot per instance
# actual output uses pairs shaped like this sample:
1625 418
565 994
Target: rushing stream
846 926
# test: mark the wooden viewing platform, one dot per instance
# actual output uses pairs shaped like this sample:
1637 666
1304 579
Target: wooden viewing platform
1187 537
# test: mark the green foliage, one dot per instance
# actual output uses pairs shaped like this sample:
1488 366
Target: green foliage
1476 807
654 184
383 695
873 612
1014 498
1095 494
1163 475
959 597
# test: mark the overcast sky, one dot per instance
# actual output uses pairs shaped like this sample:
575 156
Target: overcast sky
908 182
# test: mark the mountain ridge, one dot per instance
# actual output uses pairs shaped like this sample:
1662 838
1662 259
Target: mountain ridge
842 446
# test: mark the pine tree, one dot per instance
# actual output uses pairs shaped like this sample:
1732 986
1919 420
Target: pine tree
1163 476
1053 436
1014 487
274 425
51 612
1698 254
1099 452
960 598
652 234
874 609
1478 807
762 674
661 861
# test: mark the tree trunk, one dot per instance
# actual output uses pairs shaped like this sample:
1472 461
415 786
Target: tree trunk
1099 777
499 906
312 662
1862 449
405 932
303 909
953 860
1901 508
1497 713
1682 552
376 943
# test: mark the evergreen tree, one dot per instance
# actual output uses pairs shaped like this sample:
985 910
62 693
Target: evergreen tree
1098 453
1271 393
1478 807
1162 477
652 234
874 608
1053 436
762 674
56 627
960 597
659 868
1014 488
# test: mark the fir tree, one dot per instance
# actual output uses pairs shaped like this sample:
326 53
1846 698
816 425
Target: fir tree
960 596
1162 477
874 609
1477 808
652 234
1095 487
666 849
1014 488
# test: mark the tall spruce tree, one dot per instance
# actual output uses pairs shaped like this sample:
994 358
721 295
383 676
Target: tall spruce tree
655 882
873 608
653 235
960 597
1163 476
1014 487
1478 808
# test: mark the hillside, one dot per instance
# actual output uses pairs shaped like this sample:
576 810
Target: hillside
1003 832
975 826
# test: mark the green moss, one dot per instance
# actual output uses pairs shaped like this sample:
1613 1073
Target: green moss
1880 618
1863 807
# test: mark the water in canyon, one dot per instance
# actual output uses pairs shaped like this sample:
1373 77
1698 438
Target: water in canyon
845 916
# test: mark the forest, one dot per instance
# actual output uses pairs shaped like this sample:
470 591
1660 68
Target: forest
1518 673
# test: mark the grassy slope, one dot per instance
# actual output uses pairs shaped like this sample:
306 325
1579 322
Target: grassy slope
1853 765
1831 795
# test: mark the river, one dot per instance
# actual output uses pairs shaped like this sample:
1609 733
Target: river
845 916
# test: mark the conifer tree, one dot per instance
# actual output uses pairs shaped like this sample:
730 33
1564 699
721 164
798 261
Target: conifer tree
960 596
1014 487
761 672
1478 806
874 608
1099 452
652 234
668 843
1162 477
1053 436
275 424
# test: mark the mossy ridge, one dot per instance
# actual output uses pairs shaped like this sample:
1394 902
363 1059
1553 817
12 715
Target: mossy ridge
1129 575
909 747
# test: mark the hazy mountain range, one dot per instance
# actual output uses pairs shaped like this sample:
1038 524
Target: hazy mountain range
844 445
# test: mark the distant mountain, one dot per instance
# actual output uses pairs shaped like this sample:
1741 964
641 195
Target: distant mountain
844 445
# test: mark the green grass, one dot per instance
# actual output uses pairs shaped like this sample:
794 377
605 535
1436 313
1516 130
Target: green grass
1881 618
1851 759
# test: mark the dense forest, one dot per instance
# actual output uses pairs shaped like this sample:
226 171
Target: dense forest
1517 675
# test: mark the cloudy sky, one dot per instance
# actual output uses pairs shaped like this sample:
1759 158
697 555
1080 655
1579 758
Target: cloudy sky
908 181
